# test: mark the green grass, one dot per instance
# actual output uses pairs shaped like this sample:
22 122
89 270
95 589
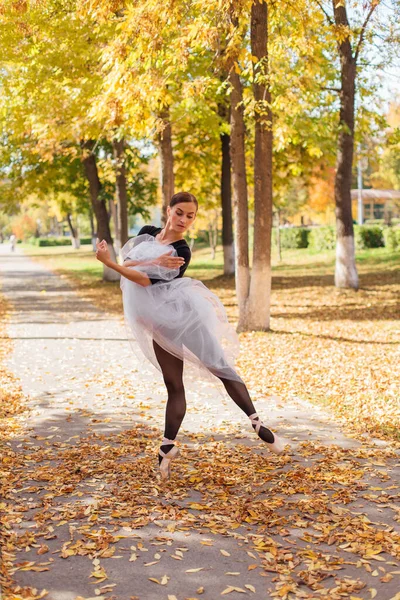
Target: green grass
83 264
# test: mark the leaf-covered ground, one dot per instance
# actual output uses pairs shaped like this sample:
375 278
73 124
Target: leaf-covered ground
82 504
12 407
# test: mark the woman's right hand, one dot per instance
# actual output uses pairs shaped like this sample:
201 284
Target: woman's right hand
168 261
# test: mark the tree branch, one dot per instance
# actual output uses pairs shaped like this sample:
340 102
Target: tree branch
328 18
331 89
374 5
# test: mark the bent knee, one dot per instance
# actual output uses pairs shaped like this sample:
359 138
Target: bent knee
173 386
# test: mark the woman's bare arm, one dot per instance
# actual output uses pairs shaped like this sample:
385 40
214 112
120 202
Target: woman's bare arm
131 263
129 273
103 255
165 260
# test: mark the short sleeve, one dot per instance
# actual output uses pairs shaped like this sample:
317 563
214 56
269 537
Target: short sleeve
147 229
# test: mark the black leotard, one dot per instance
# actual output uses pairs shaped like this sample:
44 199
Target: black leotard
181 247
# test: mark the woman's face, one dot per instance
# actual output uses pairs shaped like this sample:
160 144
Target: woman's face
181 216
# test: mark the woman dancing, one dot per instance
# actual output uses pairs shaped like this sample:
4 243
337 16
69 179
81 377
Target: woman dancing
177 319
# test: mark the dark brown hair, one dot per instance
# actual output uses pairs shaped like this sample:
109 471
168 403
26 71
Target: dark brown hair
183 197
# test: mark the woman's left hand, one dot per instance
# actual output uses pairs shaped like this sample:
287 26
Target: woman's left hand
102 252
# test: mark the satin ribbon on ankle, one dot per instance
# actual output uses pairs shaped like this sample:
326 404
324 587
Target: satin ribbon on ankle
255 420
166 442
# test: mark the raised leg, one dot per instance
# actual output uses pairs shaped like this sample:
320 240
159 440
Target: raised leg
235 387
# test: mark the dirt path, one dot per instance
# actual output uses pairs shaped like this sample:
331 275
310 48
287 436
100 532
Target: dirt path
90 518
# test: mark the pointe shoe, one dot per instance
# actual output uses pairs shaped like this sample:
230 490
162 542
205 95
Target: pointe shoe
278 445
165 464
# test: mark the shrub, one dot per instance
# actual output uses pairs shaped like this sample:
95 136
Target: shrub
292 237
322 238
42 242
368 236
56 241
391 237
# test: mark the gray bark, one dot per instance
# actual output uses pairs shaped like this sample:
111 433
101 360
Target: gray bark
121 193
167 162
226 197
346 275
258 306
99 206
240 197
75 241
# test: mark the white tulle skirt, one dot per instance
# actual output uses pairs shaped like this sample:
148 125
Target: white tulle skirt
181 315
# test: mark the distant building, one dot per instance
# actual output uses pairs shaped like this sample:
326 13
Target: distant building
377 205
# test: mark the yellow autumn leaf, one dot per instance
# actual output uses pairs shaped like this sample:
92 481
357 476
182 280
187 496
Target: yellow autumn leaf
250 587
91 598
197 506
99 574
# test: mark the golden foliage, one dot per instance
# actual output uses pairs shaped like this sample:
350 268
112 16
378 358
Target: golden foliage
321 191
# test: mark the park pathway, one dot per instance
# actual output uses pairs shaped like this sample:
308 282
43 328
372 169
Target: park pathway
91 519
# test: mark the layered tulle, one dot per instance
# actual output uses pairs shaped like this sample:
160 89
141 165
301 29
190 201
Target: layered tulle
182 315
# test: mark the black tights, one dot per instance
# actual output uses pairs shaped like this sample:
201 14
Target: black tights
172 370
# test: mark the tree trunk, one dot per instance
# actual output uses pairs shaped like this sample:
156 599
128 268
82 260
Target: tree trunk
240 198
92 230
213 235
121 192
226 197
211 239
99 206
167 162
113 212
346 275
74 234
278 235
258 305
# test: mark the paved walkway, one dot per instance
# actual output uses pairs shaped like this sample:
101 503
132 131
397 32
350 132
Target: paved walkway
93 520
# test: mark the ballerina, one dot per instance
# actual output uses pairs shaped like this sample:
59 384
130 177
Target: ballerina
177 319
